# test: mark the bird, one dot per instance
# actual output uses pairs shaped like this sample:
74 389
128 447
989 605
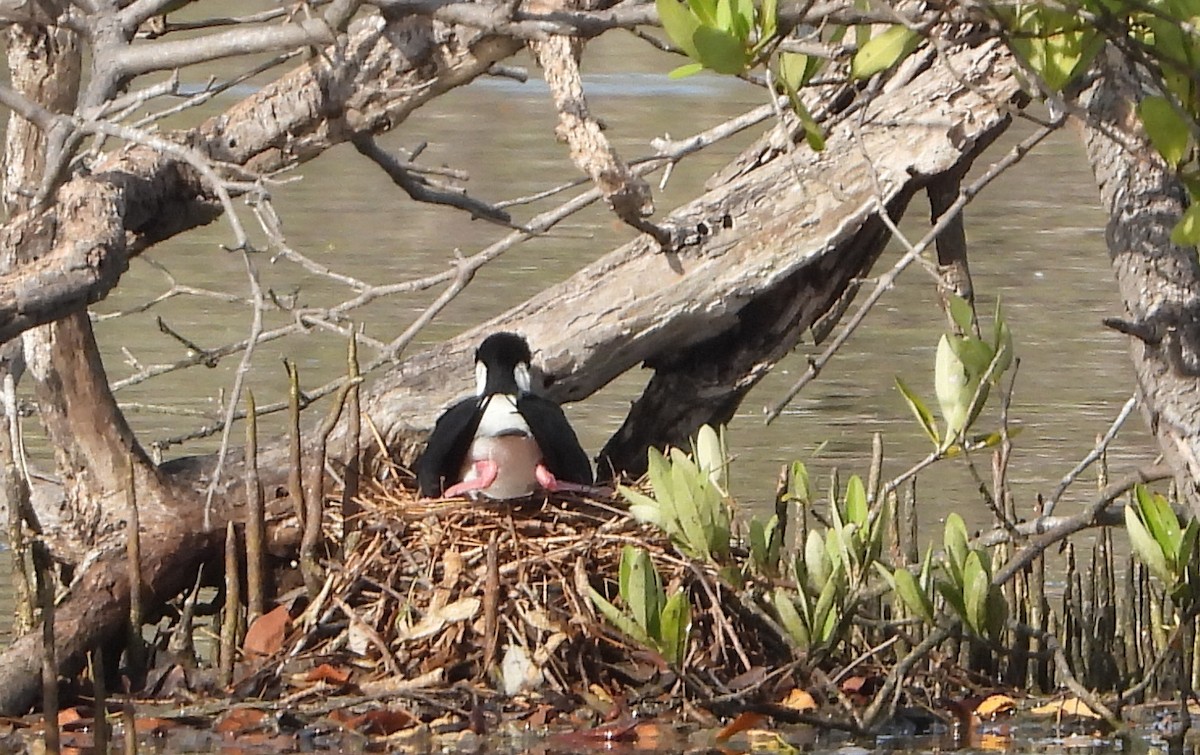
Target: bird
505 441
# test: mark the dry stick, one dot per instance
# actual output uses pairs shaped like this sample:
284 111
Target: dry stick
1097 451
295 456
888 279
129 723
100 702
350 505
310 540
233 602
255 522
133 551
491 607
42 567
16 492
256 326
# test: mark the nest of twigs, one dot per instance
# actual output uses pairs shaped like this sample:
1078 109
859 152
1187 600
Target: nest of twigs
459 601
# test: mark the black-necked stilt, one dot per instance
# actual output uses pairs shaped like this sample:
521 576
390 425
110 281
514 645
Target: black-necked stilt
503 442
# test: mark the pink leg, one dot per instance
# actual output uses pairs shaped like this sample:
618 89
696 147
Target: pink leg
548 481
485 470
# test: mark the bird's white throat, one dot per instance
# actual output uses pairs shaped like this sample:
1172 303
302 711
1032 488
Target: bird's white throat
500 417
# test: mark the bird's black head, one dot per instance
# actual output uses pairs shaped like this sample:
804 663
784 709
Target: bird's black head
502 365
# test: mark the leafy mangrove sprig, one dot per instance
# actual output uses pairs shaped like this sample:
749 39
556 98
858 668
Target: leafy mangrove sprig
1165 545
689 500
652 618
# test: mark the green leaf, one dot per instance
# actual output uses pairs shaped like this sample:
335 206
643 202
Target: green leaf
685 492
1147 550
953 595
792 67
955 390
883 51
997 613
975 593
769 18
789 617
816 560
705 11
961 313
685 70
1160 520
921 412
1187 231
812 130
644 590
621 621
1002 343
856 502
720 51
798 489
712 455
1168 131
913 597
676 622
643 507
680 24
954 539
824 615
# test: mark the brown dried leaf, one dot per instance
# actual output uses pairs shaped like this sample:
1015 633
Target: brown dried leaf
68 716
325 673
265 636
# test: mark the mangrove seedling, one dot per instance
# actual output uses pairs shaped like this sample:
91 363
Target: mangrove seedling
652 618
967 584
1165 545
689 501
964 370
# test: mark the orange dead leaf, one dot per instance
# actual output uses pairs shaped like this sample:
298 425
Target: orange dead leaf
265 636
328 674
70 716
383 721
239 720
743 722
1072 706
799 700
995 705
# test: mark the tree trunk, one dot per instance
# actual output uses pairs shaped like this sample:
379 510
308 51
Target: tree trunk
1159 281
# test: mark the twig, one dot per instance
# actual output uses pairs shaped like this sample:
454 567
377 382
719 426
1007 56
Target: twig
256 325
42 568
1091 457
232 608
255 525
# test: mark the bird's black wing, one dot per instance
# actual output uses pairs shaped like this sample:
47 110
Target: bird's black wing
441 461
563 455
